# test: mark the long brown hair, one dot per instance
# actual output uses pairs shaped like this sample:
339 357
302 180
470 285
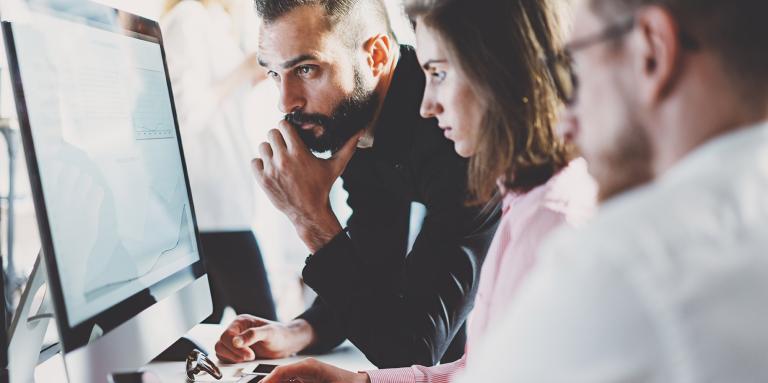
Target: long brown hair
501 46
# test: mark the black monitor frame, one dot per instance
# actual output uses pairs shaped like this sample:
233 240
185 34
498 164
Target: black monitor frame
78 336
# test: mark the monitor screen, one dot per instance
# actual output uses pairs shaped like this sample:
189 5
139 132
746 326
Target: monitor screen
108 159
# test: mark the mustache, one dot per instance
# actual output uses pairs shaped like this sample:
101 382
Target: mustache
300 118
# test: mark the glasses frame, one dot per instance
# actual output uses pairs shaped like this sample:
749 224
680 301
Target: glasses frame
564 58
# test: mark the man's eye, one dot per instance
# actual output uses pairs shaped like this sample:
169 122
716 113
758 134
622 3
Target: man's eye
272 74
305 70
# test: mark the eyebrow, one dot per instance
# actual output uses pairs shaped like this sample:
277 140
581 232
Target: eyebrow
429 63
292 62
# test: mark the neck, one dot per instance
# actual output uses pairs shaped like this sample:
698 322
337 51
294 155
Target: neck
706 108
681 142
382 88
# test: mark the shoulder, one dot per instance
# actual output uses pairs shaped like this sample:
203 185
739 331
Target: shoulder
575 315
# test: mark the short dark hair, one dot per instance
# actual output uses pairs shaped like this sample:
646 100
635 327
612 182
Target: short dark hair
500 45
734 29
344 13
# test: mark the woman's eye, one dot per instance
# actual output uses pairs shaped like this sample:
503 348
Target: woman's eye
272 74
438 76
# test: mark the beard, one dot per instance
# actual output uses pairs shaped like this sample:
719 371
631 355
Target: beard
626 165
348 118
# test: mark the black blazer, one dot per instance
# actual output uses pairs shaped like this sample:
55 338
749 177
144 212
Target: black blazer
402 308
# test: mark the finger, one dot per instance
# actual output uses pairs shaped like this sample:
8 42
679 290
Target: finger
278 146
258 164
275 138
228 355
240 324
292 139
224 354
245 321
265 153
258 168
340 159
225 343
251 336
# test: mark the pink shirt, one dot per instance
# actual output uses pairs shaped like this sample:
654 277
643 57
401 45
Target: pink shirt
527 219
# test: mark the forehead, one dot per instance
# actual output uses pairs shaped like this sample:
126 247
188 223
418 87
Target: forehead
304 30
428 42
585 20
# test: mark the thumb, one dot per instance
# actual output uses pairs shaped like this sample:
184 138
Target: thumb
250 337
340 159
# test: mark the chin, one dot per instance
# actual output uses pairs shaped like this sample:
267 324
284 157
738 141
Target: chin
464 150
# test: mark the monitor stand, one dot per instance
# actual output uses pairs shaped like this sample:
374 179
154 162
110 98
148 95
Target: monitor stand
29 326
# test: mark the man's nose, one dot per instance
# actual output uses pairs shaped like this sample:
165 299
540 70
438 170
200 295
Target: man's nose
568 125
291 97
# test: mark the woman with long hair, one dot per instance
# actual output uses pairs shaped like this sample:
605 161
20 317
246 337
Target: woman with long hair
489 87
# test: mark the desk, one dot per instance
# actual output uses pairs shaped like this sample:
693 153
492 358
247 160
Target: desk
345 356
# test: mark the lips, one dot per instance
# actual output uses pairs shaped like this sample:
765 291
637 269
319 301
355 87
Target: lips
317 130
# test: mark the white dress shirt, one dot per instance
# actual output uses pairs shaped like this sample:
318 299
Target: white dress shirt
668 284
201 48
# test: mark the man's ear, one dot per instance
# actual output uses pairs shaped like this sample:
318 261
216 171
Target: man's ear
378 51
659 50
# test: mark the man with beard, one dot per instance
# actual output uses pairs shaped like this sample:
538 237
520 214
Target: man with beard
669 283
347 87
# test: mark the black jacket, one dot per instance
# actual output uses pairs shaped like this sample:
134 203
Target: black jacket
398 308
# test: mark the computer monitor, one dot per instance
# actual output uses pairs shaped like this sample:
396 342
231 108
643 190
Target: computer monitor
112 197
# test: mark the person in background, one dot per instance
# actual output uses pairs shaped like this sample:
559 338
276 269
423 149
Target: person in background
669 281
491 92
210 47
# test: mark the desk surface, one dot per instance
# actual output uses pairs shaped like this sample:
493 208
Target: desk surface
345 356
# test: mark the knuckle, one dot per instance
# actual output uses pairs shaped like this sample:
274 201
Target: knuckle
221 352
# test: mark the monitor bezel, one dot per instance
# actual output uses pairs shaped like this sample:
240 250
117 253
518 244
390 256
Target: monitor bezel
80 335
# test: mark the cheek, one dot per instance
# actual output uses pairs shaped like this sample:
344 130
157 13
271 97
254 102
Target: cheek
469 114
326 91
601 112
323 97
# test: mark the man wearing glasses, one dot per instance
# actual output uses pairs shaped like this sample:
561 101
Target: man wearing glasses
669 283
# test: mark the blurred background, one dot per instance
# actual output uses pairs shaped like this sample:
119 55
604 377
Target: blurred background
283 252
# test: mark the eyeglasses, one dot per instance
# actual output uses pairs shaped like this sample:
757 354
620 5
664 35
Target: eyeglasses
561 66
198 362
561 63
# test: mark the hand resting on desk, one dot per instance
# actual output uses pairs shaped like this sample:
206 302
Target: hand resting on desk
248 338
314 371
